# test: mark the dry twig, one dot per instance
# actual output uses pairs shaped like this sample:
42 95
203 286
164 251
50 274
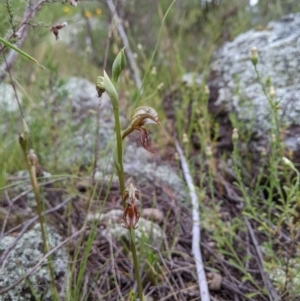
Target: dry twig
22 32
202 282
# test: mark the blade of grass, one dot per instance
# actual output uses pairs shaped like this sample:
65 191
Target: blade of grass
21 52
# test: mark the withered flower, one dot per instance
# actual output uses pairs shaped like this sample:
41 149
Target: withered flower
131 215
56 28
141 116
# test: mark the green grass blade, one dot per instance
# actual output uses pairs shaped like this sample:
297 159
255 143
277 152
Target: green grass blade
9 45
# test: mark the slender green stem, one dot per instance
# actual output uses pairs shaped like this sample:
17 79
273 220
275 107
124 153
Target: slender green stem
127 132
136 264
120 171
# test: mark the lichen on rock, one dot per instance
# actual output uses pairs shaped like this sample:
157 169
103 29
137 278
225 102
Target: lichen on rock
24 256
234 78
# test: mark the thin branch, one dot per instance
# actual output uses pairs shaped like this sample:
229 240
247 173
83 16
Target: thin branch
124 38
40 262
202 282
273 296
22 32
11 16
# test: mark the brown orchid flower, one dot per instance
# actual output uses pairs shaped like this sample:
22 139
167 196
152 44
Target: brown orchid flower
140 117
131 215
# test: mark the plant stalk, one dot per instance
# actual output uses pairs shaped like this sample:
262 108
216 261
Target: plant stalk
120 170
35 186
136 264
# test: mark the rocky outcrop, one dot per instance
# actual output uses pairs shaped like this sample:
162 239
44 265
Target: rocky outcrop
234 83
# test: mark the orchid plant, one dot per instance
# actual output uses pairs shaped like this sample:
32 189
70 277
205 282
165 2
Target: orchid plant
141 116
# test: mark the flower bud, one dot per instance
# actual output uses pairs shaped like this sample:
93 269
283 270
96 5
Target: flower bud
153 70
118 65
100 85
206 90
288 162
254 56
208 152
268 82
110 90
272 92
235 135
160 86
185 138
32 158
176 157
273 138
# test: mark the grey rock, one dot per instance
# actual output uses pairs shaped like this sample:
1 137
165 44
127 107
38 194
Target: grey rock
9 112
235 80
26 254
79 105
8 100
141 165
